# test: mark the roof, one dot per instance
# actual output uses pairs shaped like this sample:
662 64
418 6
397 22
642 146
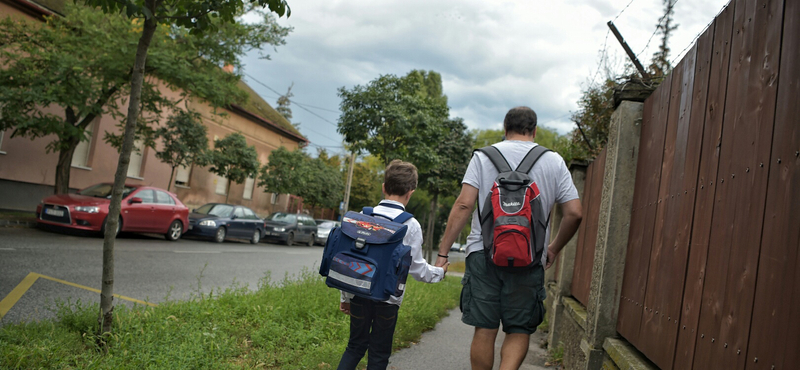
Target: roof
257 106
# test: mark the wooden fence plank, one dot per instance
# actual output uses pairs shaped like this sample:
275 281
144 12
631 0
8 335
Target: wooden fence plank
651 330
582 282
712 66
774 337
752 90
578 289
638 259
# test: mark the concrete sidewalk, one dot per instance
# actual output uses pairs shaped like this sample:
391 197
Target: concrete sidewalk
446 347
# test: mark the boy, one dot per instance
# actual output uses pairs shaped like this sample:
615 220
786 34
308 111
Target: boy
372 323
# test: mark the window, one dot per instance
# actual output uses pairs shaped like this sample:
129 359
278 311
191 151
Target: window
238 212
147 196
163 198
80 158
135 166
222 185
274 198
249 214
248 188
182 176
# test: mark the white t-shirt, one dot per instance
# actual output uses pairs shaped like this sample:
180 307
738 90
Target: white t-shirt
420 269
550 174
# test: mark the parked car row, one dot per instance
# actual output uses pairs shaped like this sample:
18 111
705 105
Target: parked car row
148 209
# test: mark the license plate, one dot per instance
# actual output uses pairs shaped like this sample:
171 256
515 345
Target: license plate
270 234
54 212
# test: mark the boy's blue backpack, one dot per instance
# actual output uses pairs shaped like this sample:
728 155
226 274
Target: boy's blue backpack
366 255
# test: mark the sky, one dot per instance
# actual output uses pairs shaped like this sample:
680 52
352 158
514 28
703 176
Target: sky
492 55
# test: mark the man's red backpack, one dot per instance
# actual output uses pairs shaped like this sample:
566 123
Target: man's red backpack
513 221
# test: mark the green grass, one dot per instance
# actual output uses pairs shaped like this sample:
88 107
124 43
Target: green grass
457 267
293 324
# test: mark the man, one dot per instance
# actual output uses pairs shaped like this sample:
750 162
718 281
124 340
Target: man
491 296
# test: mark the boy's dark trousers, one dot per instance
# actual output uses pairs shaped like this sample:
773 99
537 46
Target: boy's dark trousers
372 326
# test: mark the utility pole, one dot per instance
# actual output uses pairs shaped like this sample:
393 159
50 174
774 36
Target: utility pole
346 203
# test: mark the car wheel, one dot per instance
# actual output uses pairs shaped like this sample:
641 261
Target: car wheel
290 239
103 228
175 231
219 237
256 237
311 241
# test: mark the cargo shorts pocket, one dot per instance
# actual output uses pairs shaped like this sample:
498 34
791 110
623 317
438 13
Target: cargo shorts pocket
466 296
537 316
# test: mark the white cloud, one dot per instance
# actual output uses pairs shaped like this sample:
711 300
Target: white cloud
492 55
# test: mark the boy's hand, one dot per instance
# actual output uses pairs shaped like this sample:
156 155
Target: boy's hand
345 308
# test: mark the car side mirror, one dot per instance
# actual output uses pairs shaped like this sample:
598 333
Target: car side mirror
233 217
135 200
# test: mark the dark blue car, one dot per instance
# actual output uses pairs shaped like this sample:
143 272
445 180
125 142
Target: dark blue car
219 221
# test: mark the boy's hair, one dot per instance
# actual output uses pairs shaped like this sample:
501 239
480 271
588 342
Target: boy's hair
520 120
399 178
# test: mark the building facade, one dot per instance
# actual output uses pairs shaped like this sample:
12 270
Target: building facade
27 171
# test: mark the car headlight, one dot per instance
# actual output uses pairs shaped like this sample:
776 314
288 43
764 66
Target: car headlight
208 223
280 229
87 209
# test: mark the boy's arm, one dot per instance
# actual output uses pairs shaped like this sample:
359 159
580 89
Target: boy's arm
459 216
420 269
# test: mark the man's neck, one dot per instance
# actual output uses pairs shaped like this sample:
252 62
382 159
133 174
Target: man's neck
519 137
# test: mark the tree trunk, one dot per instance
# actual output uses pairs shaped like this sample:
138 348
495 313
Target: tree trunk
137 80
431 225
64 167
228 190
171 174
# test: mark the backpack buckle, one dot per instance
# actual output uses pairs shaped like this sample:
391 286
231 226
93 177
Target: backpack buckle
360 243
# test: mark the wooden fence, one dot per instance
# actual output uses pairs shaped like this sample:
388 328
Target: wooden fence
587 233
712 272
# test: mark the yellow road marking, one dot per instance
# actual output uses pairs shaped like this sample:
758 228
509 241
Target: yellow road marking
11 299
17 293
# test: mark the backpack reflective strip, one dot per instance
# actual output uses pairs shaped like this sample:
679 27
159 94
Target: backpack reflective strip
364 284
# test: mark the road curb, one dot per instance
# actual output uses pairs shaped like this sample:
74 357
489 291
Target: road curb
17 223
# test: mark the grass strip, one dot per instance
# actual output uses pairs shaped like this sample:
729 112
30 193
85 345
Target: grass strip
292 324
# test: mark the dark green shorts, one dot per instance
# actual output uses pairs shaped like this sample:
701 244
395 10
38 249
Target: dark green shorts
491 296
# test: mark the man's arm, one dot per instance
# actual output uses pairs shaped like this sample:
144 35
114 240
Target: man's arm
459 215
572 212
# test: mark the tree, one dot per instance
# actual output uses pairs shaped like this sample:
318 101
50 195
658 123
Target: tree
233 159
452 157
57 80
197 18
185 142
284 106
294 172
284 173
365 190
393 117
660 65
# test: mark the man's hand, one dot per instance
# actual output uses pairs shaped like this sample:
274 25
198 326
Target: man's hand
440 262
551 257
345 308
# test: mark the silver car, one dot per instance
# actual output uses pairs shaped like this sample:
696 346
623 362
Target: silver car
324 228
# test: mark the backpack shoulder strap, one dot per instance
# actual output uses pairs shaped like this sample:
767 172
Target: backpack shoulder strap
531 158
497 158
367 211
403 217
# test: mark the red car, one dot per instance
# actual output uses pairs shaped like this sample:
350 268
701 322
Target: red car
145 209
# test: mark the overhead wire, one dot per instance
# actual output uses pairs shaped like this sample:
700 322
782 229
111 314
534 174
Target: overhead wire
604 54
679 55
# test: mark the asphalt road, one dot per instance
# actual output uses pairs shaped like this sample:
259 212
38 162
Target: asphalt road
147 268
